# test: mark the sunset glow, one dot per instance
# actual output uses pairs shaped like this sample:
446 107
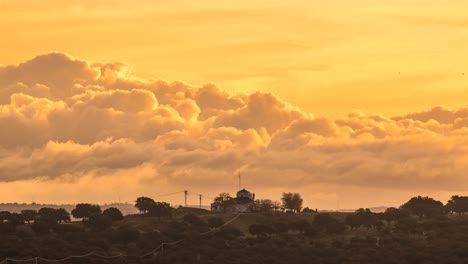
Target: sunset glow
351 103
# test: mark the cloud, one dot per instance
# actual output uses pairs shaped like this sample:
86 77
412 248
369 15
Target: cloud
67 120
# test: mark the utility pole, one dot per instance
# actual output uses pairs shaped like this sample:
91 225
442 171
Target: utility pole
186 193
200 199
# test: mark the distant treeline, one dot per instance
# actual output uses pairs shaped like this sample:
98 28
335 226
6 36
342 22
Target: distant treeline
125 208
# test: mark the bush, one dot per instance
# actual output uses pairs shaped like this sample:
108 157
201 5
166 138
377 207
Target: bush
128 234
336 227
113 213
299 225
41 227
7 227
323 219
214 222
229 232
280 227
260 229
68 228
194 220
176 227
98 222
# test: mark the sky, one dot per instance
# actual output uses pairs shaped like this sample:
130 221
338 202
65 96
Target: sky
109 100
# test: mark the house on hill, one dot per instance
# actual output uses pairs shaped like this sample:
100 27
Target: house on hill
243 203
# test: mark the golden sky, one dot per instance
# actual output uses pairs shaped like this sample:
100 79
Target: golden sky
326 97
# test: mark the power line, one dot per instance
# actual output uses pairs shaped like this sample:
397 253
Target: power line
162 195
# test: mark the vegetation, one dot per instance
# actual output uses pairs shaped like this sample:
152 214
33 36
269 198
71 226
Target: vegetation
422 230
84 210
292 201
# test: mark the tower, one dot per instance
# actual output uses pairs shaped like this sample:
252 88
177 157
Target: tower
239 180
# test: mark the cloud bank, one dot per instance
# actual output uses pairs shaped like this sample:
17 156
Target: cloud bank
63 120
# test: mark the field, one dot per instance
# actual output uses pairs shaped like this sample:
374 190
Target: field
190 236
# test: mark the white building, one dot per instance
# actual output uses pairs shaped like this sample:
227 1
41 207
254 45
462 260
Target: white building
243 203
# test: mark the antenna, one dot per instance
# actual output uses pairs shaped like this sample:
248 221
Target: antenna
186 193
239 180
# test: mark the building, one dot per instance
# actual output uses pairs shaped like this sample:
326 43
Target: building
243 203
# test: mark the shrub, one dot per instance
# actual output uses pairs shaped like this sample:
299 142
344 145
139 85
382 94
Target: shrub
260 229
214 222
128 234
98 222
113 213
41 227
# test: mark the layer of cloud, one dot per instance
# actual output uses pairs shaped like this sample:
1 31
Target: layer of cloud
64 119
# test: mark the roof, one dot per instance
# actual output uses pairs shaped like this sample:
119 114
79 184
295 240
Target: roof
243 191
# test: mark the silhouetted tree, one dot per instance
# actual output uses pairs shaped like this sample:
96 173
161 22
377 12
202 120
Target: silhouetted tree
160 209
423 206
48 215
29 215
225 200
41 227
16 219
292 201
323 219
85 210
458 204
362 217
264 205
98 222
308 210
62 215
393 214
143 204
4 216
113 213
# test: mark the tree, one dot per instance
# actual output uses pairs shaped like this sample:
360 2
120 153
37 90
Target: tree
143 204
85 210
292 201
113 213
324 219
308 210
62 215
29 215
160 209
264 205
395 214
4 216
98 222
276 206
225 200
16 219
458 204
423 206
362 217
47 215
41 227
